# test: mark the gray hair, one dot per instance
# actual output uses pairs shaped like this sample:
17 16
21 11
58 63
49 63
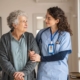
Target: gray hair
13 17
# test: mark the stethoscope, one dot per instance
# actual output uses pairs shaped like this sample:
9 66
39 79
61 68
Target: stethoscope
40 40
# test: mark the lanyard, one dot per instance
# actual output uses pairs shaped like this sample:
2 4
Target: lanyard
53 36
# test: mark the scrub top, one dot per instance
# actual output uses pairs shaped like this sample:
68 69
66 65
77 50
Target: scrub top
53 70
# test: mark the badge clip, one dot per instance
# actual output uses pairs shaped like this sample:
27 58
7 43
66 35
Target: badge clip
57 42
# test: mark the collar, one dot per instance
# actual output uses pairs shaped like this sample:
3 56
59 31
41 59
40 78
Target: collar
23 35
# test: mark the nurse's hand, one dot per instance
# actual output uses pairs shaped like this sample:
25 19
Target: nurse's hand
34 57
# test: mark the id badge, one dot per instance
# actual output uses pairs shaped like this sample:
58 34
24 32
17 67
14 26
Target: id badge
51 48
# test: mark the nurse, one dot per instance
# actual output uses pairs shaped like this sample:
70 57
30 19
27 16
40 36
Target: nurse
55 46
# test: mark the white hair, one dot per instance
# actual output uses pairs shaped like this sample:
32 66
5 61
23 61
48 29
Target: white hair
13 17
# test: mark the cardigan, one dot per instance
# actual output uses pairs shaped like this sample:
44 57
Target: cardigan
6 59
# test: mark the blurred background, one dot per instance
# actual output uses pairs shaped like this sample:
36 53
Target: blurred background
36 10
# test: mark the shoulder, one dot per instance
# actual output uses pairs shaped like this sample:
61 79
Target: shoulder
29 35
65 34
5 39
6 36
41 31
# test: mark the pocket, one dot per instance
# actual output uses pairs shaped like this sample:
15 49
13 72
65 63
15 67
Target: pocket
48 67
57 46
52 71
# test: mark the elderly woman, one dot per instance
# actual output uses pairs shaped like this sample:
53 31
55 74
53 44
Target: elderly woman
14 49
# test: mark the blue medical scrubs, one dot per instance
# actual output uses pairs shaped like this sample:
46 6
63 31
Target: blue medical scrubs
53 70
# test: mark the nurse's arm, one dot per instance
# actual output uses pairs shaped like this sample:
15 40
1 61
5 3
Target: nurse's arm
59 56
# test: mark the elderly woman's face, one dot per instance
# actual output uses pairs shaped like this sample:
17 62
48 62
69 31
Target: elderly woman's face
22 24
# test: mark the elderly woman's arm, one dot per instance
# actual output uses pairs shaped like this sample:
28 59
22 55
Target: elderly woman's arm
5 64
31 42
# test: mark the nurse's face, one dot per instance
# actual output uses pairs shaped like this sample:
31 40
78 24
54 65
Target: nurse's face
21 26
50 21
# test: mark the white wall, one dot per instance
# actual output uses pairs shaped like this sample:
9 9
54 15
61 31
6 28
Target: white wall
74 24
79 32
40 24
31 7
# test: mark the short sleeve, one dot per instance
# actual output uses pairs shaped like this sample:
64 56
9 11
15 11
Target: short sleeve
65 43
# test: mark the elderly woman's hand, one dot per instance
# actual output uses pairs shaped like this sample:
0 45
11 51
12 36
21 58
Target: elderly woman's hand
18 76
31 53
34 56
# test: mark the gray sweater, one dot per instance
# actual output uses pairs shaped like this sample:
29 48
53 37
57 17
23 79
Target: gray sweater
6 59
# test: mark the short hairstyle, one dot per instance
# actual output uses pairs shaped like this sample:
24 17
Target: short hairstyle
13 17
